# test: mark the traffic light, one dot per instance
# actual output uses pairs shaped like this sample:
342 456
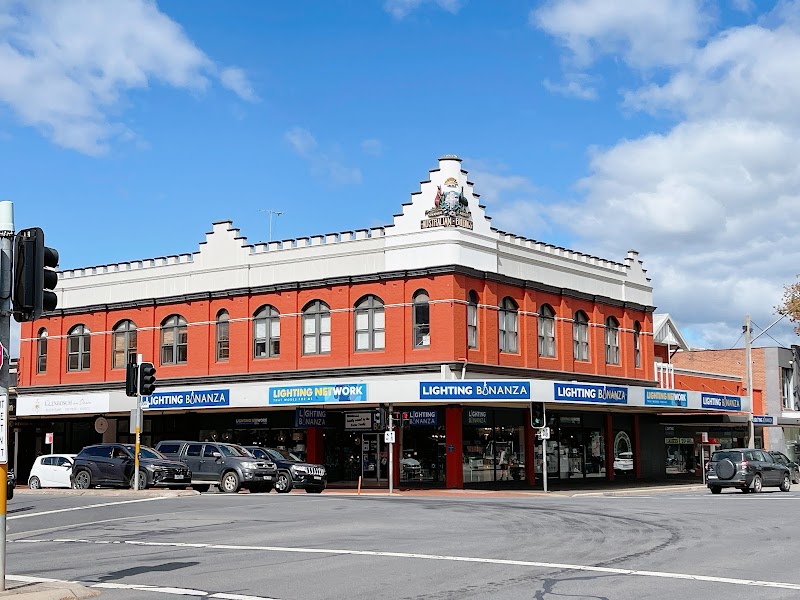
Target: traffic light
537 415
147 378
35 277
131 379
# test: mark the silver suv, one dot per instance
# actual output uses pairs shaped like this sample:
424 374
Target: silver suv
746 469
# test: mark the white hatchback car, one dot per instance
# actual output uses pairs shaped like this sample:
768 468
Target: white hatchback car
51 470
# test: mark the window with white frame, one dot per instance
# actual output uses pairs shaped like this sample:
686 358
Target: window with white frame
509 326
316 328
370 325
580 336
266 332
421 315
637 344
612 341
79 348
223 336
787 389
174 340
547 331
472 320
123 341
41 351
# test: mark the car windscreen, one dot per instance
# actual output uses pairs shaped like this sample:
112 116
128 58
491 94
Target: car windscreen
145 452
283 455
230 450
723 454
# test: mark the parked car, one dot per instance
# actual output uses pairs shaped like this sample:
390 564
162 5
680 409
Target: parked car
292 472
623 462
227 466
51 470
794 467
11 483
746 469
113 465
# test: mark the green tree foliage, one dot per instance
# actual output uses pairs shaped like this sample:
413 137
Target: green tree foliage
790 307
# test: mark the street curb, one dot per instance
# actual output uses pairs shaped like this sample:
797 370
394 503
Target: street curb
21 590
643 490
154 492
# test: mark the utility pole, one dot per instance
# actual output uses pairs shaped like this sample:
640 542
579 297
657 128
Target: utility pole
6 276
748 359
391 453
139 423
271 213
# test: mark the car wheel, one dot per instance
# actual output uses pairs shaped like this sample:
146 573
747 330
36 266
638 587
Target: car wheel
34 483
758 484
716 490
230 483
314 490
786 484
142 480
82 481
202 488
283 483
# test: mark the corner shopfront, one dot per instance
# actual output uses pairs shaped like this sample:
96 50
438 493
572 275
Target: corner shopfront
457 433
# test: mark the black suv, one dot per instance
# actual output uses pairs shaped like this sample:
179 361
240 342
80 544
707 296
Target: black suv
292 472
113 464
781 458
746 469
227 466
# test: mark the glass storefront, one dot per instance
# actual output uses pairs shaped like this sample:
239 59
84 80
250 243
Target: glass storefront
422 455
493 445
792 439
576 448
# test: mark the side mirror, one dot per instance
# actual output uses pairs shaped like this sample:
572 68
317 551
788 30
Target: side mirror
217 455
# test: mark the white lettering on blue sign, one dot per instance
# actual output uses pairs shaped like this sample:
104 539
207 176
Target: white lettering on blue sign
474 390
662 397
302 394
721 402
763 420
190 399
576 392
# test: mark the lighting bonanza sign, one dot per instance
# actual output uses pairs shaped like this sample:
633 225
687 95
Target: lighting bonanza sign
576 392
310 417
763 420
308 394
720 402
474 390
190 399
658 397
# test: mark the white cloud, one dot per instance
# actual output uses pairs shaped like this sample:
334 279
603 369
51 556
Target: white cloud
235 79
65 66
575 85
372 147
713 202
324 164
400 9
653 32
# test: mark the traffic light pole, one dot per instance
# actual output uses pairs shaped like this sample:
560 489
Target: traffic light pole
391 454
544 452
138 429
6 252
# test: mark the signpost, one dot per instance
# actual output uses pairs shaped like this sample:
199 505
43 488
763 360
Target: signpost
48 439
6 252
390 439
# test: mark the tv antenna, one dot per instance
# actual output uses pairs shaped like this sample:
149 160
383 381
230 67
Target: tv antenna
271 213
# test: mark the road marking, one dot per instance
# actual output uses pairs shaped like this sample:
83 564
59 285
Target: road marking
492 561
61 510
140 587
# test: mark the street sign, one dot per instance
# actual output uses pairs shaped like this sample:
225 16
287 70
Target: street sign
389 437
757 419
135 420
48 438
544 433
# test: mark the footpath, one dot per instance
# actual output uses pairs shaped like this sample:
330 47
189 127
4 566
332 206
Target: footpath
20 588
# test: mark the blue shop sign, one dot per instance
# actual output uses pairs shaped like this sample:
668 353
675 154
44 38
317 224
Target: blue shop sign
474 390
659 397
577 392
310 417
190 399
720 402
763 420
423 417
308 394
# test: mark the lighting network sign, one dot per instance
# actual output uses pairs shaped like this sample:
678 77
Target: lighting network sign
318 394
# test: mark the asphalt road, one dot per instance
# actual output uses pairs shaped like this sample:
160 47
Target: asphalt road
331 546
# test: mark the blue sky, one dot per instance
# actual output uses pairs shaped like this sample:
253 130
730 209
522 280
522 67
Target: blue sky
127 128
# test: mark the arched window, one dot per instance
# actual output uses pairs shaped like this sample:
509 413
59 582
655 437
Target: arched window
41 351
123 340
223 336
580 336
174 340
78 348
509 326
266 332
370 324
612 341
421 319
637 344
547 331
472 319
316 328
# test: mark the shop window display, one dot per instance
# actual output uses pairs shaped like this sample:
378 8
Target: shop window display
493 446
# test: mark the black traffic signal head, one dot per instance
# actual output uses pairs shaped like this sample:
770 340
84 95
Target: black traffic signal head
537 415
131 379
35 277
147 378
